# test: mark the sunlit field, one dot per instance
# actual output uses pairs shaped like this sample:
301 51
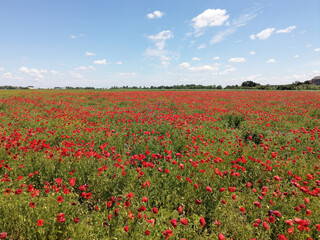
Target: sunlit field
159 165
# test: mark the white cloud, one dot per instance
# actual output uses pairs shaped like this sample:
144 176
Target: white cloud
219 37
210 18
296 56
238 22
264 34
252 53
127 74
165 63
7 75
153 52
184 65
161 38
237 60
83 68
100 62
119 62
317 49
56 73
202 46
33 72
77 36
216 58
196 59
1 69
252 36
160 43
75 74
155 14
271 60
90 54
203 68
253 77
286 30
228 70
164 35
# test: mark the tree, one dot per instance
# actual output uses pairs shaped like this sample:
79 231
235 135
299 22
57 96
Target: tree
249 84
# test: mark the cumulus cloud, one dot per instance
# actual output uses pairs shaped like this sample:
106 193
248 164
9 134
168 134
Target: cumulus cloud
100 62
184 65
296 56
210 18
90 54
271 60
1 69
286 30
215 58
264 34
317 49
252 36
159 50
196 59
119 62
155 14
161 38
33 72
237 60
252 53
202 68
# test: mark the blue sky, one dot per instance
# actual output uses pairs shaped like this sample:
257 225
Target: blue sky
150 43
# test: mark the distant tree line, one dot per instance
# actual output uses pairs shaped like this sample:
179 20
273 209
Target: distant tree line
188 86
13 87
307 85
245 85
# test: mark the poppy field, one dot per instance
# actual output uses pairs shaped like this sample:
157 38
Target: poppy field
159 165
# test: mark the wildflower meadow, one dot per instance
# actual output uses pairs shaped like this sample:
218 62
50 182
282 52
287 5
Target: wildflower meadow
93 164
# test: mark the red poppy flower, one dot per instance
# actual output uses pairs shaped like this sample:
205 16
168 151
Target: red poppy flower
221 237
184 221
60 199
202 221
72 181
155 210
61 218
282 237
3 235
39 222
174 222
